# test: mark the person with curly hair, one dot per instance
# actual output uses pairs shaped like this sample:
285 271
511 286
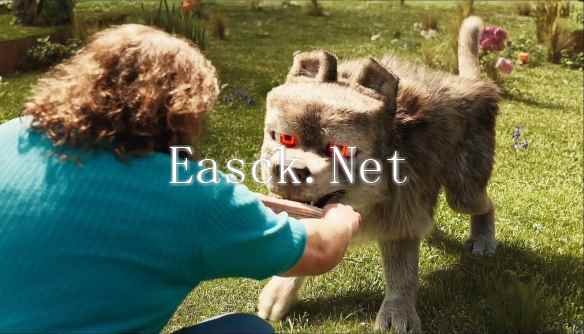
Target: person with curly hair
93 237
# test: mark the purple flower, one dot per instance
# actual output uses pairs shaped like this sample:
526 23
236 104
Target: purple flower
493 39
504 65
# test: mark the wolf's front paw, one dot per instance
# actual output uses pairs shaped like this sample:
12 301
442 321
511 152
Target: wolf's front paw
399 316
481 245
277 297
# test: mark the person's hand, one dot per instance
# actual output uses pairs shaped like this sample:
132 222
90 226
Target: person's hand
327 240
342 214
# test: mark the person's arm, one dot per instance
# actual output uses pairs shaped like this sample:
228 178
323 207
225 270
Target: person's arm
327 240
239 237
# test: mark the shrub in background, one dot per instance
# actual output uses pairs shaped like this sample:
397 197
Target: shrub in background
46 53
176 20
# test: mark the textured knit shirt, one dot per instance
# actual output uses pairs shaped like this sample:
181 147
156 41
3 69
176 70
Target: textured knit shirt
93 244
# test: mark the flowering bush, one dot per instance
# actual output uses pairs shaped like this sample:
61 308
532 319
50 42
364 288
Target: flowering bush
525 44
492 42
493 39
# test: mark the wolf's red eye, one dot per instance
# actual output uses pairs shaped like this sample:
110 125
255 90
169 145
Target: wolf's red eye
288 140
344 149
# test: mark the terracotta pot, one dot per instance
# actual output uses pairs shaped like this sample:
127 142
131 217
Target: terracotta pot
187 6
523 57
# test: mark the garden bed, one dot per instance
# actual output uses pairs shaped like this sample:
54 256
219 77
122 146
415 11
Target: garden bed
14 51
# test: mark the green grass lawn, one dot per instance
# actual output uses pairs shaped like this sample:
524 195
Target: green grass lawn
538 191
10 31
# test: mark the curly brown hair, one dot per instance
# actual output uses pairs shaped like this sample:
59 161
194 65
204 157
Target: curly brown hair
133 89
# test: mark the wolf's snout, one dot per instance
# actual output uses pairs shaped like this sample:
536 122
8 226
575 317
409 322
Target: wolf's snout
301 173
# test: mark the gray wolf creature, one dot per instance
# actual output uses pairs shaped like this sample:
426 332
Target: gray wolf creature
442 124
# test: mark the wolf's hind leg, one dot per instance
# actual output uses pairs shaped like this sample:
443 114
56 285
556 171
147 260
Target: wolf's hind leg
482 225
278 296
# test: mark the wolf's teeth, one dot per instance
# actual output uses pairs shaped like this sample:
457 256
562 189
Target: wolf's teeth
312 203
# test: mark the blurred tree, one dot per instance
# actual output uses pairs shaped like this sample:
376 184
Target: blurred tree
55 12
25 11
43 12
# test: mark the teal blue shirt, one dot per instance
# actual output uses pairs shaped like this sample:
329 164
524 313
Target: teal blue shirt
105 246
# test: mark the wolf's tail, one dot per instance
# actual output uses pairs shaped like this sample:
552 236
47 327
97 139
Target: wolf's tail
468 47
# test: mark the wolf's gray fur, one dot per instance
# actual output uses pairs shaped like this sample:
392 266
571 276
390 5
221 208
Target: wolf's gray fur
444 126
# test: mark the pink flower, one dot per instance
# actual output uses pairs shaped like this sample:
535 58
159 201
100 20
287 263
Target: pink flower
493 39
504 65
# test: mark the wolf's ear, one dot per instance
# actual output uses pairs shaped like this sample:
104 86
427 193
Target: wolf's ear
315 66
376 81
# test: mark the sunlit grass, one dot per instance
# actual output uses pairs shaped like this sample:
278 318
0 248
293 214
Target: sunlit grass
538 191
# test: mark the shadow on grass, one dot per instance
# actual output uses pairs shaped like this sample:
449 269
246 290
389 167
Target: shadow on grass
521 97
461 298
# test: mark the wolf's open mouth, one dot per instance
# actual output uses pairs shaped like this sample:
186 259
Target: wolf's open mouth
328 198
